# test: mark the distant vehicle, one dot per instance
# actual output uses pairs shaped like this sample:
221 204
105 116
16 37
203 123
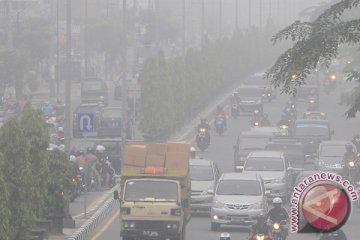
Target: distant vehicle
250 98
238 199
273 130
94 91
330 155
247 142
304 90
83 109
110 122
311 132
274 168
204 175
314 115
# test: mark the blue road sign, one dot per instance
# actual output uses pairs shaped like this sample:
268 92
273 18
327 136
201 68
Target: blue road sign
85 122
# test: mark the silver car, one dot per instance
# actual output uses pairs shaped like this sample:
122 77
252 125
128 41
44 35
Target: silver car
238 199
273 167
204 175
331 154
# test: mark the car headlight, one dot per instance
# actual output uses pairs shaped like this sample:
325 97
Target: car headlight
279 180
218 204
255 205
256 124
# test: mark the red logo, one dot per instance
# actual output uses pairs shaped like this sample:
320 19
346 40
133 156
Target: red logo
326 207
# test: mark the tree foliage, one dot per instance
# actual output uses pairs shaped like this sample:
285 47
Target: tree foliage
175 90
315 43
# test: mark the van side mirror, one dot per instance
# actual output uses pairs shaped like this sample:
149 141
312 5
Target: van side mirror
116 195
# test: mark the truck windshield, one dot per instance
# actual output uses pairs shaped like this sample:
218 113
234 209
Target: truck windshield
144 191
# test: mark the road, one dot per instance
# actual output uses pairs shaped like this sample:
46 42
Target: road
222 152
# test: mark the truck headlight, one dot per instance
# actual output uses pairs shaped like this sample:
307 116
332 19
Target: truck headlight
132 224
176 211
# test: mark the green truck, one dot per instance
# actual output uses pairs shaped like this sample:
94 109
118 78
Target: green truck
155 191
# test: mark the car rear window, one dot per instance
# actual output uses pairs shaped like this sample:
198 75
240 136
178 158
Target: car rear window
239 187
264 164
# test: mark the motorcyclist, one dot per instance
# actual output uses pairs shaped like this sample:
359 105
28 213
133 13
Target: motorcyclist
349 156
356 142
256 117
261 226
204 124
233 99
278 213
265 120
221 112
73 163
105 165
192 153
91 163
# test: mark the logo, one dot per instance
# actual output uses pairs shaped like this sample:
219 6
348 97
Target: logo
321 203
326 207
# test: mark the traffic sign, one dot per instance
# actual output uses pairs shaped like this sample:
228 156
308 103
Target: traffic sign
85 122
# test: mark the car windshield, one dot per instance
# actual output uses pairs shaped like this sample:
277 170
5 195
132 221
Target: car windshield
239 187
284 147
143 191
250 92
264 164
310 129
111 113
333 150
253 143
92 86
201 173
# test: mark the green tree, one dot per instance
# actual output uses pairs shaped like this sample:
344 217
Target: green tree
37 136
5 212
317 43
19 179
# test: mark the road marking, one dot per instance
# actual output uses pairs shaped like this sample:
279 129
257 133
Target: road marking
106 225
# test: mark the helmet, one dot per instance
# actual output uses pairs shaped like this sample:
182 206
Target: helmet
277 202
225 236
60 129
72 159
192 149
349 147
100 148
62 147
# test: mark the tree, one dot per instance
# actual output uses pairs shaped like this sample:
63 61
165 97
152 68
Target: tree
317 43
4 201
19 179
37 136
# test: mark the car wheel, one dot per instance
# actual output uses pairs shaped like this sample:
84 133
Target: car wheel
215 227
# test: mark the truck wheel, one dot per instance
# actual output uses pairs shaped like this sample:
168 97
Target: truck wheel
215 227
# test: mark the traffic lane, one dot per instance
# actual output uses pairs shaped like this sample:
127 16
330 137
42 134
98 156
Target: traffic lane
90 198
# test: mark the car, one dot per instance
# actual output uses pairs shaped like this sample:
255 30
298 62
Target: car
110 122
204 175
250 98
89 108
258 79
294 150
314 115
247 142
94 91
304 90
330 155
311 132
274 168
238 199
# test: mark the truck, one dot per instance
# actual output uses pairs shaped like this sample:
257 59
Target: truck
155 191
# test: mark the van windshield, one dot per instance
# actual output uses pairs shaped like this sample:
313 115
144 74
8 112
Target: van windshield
92 86
239 187
151 191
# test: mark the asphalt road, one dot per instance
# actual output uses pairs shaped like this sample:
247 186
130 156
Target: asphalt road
222 152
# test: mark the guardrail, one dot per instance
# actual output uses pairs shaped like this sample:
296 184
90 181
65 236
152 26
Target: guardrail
88 228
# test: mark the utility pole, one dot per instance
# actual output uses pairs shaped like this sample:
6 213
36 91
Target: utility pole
57 73
220 19
124 80
236 15
260 14
85 39
202 21
183 28
68 78
249 13
9 34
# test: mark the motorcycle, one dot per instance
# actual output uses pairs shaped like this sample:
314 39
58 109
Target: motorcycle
277 230
220 124
202 139
267 95
351 169
313 103
234 110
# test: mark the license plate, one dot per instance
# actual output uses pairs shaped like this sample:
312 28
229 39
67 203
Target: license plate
237 219
151 233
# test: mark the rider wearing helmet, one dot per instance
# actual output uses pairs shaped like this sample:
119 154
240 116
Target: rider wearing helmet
192 153
203 124
260 226
278 213
350 154
221 112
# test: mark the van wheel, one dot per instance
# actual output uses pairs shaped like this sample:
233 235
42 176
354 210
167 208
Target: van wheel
215 227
